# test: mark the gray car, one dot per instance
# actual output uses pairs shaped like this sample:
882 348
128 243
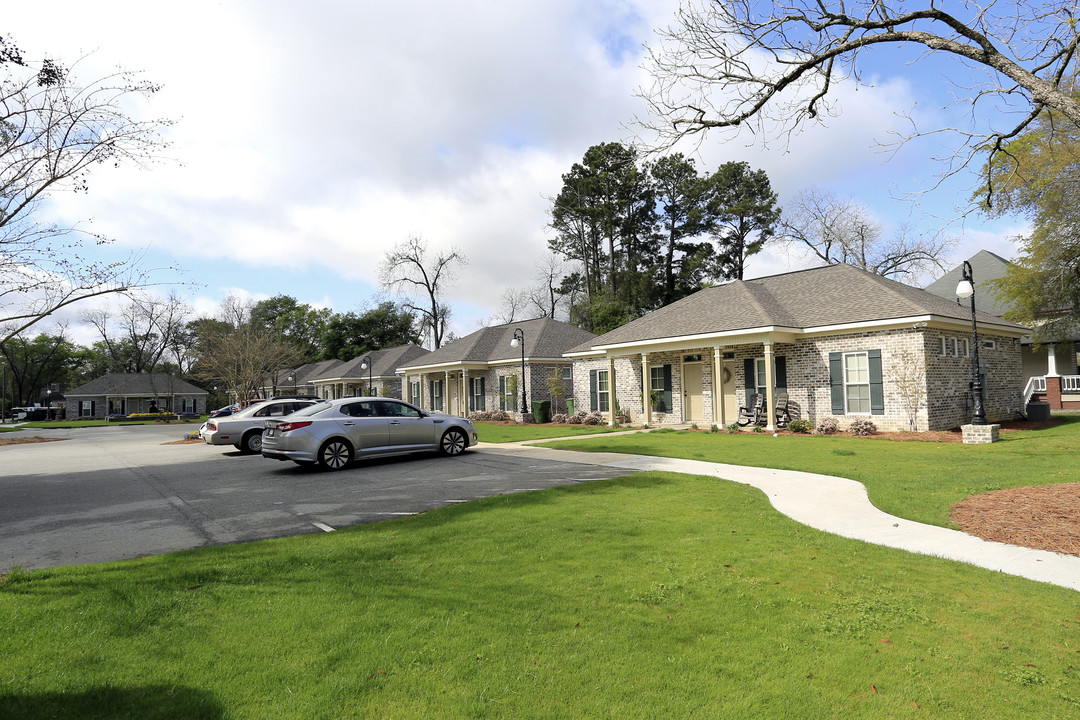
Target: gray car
333 433
244 428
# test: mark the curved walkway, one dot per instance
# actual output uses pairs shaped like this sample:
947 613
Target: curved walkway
842 507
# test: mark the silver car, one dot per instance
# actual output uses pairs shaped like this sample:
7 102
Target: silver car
333 433
244 428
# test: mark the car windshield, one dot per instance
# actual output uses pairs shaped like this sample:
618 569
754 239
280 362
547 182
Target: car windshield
312 409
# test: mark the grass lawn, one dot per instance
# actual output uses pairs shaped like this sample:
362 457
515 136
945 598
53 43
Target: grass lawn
503 432
915 480
650 596
72 424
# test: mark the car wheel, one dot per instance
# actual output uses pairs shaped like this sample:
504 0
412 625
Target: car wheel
453 442
335 454
252 442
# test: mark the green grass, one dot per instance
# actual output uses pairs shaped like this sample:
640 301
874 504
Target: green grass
501 433
915 480
649 596
74 424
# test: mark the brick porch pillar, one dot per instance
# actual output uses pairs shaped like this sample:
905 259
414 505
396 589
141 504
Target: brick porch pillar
1053 391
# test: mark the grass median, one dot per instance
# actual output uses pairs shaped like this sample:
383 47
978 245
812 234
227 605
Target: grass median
652 595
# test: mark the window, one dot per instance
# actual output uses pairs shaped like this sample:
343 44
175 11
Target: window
856 383
944 348
988 344
599 394
414 392
508 393
567 374
86 408
967 348
436 395
660 388
476 394
187 405
759 376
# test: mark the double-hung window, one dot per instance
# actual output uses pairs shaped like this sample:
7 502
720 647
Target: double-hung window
857 383
660 388
508 393
436 395
476 394
599 391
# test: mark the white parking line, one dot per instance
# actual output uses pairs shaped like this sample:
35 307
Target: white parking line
324 528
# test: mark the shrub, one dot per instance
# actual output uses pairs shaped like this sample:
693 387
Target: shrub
759 429
800 426
828 426
480 416
562 418
734 428
714 429
593 418
862 427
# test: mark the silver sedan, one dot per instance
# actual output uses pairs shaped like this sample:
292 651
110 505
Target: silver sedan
333 433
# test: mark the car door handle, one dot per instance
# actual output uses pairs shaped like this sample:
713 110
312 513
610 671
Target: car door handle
348 422
395 422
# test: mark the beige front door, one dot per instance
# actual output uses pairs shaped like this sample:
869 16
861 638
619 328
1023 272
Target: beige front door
693 397
727 388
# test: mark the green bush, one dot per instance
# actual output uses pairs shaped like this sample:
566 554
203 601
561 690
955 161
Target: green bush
800 426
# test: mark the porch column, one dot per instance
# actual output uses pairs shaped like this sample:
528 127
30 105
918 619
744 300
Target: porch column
446 392
646 389
718 387
611 390
1051 360
465 393
770 389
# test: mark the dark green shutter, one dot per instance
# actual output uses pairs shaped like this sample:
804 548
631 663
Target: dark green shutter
667 388
748 371
594 401
781 374
836 381
877 391
502 392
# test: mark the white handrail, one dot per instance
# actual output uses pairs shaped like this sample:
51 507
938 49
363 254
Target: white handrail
1036 384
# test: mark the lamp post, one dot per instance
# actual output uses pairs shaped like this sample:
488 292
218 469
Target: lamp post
519 341
966 289
365 364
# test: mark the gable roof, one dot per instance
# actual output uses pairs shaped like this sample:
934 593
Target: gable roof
803 301
136 384
985 267
545 339
384 363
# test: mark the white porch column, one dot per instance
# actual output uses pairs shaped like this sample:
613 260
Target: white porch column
446 392
422 395
611 390
646 389
1051 360
770 389
718 387
465 393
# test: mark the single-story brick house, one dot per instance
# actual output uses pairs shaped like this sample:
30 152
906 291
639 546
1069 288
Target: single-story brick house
840 341
296 381
482 371
128 393
353 378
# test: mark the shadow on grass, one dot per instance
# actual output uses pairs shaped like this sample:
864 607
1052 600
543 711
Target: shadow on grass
145 703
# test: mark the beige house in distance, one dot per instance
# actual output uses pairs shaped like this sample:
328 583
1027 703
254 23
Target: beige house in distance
842 343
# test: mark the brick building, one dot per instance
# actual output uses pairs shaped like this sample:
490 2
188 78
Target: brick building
841 342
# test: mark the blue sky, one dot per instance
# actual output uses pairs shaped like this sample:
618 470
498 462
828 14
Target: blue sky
311 137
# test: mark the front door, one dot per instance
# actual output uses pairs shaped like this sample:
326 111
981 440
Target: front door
693 397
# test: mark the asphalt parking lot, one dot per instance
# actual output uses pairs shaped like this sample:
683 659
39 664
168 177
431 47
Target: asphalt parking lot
121 492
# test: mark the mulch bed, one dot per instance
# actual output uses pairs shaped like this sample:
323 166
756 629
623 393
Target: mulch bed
26 440
1045 517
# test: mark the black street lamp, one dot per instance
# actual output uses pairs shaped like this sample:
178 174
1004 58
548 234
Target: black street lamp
519 341
966 289
365 364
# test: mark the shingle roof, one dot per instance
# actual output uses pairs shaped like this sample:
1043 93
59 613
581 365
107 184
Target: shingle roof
985 267
136 384
384 363
544 338
819 297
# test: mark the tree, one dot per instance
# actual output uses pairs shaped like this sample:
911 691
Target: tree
348 335
407 270
745 214
841 230
138 335
34 364
1038 177
683 198
726 64
53 131
296 322
240 355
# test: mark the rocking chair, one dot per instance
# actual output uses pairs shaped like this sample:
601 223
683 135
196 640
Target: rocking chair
754 413
783 415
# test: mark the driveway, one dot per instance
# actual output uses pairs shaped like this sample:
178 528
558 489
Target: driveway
121 492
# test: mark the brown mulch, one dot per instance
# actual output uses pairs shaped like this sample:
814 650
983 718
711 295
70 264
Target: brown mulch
185 441
955 435
1045 518
26 440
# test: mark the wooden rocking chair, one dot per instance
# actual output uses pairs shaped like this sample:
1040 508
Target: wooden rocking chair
754 413
783 414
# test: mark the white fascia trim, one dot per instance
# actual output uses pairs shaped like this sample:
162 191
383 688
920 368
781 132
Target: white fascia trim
704 339
907 322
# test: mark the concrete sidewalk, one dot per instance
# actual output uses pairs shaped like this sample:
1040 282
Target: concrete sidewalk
841 506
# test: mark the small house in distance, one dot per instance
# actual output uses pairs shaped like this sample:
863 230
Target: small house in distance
129 393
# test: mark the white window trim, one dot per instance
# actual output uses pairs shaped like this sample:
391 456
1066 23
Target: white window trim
844 376
759 376
944 347
436 395
603 397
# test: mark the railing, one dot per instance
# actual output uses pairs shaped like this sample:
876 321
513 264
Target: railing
1037 386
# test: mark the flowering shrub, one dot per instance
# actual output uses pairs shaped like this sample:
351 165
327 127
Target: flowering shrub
828 426
594 418
862 426
586 418
800 426
490 416
151 416
562 418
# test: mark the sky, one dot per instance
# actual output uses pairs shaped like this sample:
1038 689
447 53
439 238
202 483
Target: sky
310 138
